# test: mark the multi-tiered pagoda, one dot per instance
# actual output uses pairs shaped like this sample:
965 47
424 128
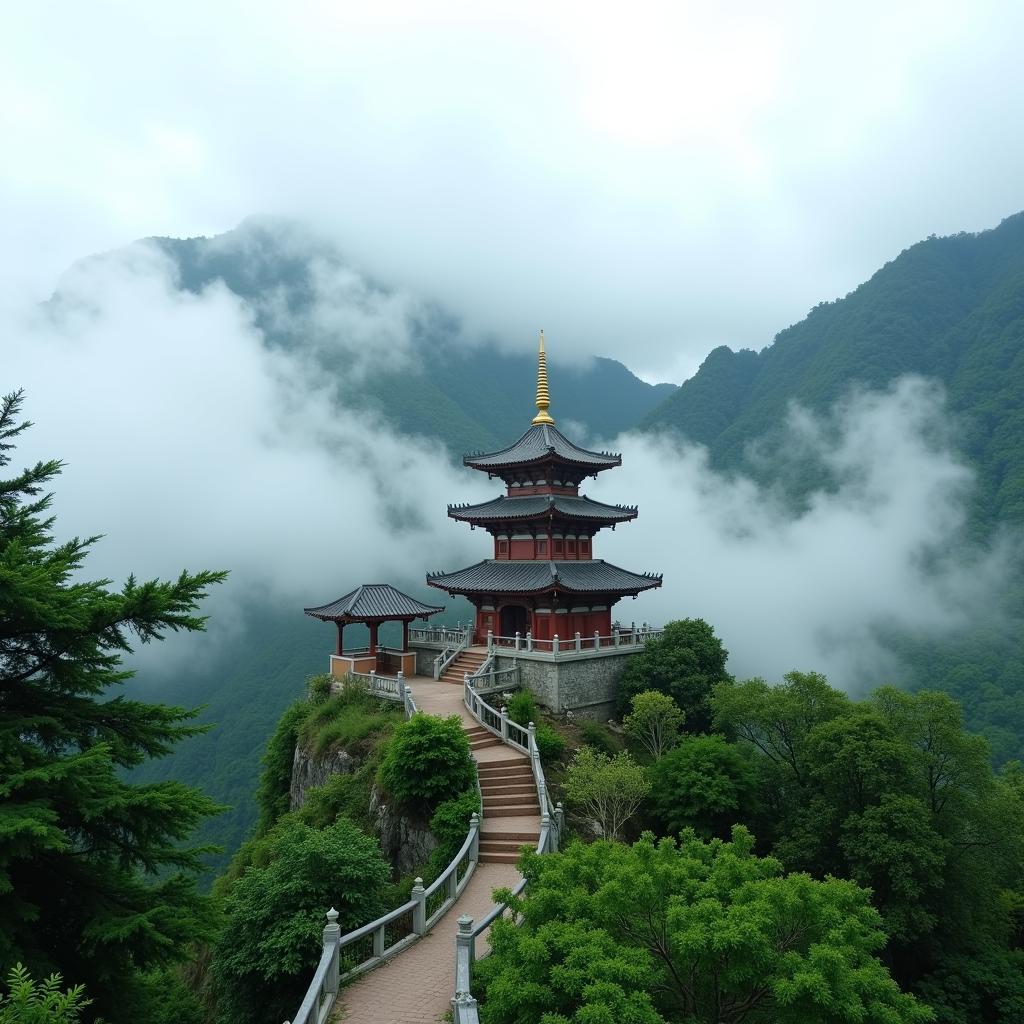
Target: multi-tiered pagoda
543 578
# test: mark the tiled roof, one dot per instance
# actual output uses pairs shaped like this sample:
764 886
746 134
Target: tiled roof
373 601
527 577
540 442
537 505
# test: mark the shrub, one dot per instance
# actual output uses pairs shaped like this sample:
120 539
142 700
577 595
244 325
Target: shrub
276 777
275 916
522 708
450 824
319 688
598 736
346 720
32 1002
607 789
550 743
654 722
427 761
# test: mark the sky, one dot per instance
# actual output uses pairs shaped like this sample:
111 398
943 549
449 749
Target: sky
644 186
644 182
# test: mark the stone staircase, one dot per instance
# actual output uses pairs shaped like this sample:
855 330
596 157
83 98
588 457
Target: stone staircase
465 661
510 796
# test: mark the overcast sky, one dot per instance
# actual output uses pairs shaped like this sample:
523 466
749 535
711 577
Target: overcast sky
646 184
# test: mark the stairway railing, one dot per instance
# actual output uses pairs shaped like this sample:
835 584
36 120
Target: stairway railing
455 643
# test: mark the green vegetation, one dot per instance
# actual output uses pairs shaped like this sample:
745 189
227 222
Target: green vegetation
522 708
684 663
688 932
607 790
29 1002
654 722
274 915
550 744
427 762
94 880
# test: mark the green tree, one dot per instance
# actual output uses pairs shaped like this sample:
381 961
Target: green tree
685 662
427 761
94 881
275 915
726 938
608 790
705 784
29 1002
654 721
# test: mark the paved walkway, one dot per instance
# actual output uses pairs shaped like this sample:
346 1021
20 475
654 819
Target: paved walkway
416 986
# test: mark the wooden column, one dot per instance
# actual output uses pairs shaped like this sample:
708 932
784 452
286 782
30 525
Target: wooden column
341 633
405 634
373 636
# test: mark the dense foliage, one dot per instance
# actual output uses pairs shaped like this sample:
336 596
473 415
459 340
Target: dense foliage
94 881
606 790
690 932
684 662
272 937
654 721
427 761
31 1002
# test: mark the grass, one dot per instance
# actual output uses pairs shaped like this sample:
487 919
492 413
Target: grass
351 719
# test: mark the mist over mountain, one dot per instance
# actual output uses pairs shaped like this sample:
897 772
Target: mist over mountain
951 309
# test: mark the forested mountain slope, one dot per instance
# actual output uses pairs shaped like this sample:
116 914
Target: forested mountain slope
412 361
949 308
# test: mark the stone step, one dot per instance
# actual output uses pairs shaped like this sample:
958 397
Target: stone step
499 858
518 789
490 741
515 764
508 777
501 846
503 803
518 837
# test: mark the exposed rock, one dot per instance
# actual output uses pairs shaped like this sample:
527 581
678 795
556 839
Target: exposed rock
309 770
405 842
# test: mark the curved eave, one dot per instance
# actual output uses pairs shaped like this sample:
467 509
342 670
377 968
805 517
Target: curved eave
467 515
461 582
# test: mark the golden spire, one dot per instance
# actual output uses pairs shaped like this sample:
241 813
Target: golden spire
543 397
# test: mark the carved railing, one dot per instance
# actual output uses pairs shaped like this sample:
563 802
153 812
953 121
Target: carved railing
464 1008
626 638
439 634
453 647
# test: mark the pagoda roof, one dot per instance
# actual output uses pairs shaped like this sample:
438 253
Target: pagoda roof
541 442
534 577
537 506
373 601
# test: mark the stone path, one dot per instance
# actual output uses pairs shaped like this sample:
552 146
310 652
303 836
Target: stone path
416 986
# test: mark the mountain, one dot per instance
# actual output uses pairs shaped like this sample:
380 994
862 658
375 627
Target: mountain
949 308
306 294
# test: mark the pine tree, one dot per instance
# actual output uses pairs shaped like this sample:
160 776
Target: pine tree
94 880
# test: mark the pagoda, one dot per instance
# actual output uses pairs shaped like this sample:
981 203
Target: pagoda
543 578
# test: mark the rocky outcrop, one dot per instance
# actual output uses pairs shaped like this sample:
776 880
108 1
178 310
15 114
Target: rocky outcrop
309 770
405 842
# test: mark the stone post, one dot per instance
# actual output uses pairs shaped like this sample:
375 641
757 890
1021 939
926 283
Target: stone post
559 819
474 846
615 635
490 640
517 639
579 645
504 723
545 823
554 644
332 935
419 912
463 1003
597 639
529 640
401 683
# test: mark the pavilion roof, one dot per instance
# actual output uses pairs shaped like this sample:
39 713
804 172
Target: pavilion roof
537 506
373 601
494 576
540 442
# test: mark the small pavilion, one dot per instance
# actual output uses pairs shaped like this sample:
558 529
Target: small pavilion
371 605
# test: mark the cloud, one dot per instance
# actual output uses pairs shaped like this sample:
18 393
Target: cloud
883 548
190 443
652 183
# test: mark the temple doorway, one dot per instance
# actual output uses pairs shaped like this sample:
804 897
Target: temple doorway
515 618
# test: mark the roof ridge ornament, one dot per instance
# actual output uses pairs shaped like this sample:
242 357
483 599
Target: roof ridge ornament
543 417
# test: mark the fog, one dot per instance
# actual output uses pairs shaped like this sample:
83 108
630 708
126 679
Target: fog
655 180
190 443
